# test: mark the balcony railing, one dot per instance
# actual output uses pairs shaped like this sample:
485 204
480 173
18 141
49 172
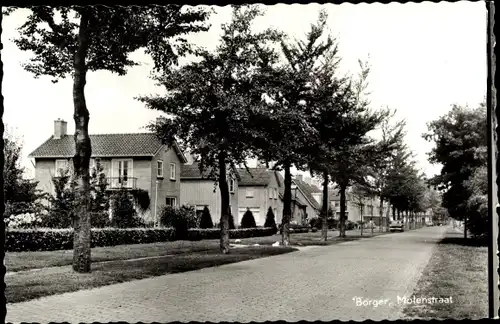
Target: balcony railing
121 183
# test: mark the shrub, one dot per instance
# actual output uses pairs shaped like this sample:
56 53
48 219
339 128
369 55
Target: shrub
124 214
27 220
181 219
270 221
62 239
206 219
100 219
248 221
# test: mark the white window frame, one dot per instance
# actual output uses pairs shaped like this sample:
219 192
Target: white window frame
118 175
249 193
172 171
231 185
66 166
159 170
174 201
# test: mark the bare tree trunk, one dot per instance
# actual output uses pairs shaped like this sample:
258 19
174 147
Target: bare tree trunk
465 227
381 213
224 217
81 160
362 219
399 214
324 227
287 208
343 189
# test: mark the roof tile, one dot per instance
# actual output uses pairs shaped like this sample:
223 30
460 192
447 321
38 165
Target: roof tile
103 145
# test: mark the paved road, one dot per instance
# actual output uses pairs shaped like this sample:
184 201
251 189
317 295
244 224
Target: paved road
316 283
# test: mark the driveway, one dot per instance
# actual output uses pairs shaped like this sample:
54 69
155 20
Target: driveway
316 283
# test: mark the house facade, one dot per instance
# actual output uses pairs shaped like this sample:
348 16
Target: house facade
258 189
305 203
129 161
200 191
360 210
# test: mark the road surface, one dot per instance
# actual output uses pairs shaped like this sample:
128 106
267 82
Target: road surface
316 283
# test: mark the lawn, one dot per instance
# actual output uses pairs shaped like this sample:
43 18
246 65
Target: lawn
458 268
311 238
29 285
17 261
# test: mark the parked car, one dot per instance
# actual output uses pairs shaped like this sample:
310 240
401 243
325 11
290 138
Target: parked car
396 225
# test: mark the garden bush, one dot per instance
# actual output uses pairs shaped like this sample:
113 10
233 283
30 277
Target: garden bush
181 219
270 221
206 219
21 240
248 221
100 219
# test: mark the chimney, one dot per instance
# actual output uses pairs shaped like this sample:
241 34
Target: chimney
298 177
60 128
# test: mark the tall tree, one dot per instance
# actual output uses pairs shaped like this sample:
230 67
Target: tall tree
355 150
460 139
211 101
20 195
284 116
70 41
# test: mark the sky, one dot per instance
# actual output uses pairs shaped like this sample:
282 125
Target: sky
424 57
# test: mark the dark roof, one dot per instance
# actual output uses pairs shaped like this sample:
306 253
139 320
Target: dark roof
334 195
256 177
105 145
308 190
192 171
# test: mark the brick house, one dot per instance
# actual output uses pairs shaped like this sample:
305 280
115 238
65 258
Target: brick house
259 189
131 161
305 198
198 190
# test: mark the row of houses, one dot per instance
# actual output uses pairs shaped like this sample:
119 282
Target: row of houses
171 177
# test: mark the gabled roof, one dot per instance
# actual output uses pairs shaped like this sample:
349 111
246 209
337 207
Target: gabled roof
105 145
256 177
308 190
192 171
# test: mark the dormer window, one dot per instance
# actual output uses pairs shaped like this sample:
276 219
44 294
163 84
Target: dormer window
159 169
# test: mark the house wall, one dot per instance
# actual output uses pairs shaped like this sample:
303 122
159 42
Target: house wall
200 192
44 171
310 211
259 200
166 187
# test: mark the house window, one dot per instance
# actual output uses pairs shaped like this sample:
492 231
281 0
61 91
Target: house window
249 193
122 173
337 204
159 169
172 171
271 193
275 190
171 201
62 166
231 185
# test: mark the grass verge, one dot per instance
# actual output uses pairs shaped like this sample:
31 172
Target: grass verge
18 261
311 238
458 268
34 284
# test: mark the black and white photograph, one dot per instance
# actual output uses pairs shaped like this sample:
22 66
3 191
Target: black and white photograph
249 162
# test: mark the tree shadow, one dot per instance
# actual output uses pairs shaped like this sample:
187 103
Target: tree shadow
458 239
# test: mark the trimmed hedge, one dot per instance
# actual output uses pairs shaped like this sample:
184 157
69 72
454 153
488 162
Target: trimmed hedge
22 240
196 234
62 239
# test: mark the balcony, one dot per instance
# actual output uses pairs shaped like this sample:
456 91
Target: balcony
117 183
